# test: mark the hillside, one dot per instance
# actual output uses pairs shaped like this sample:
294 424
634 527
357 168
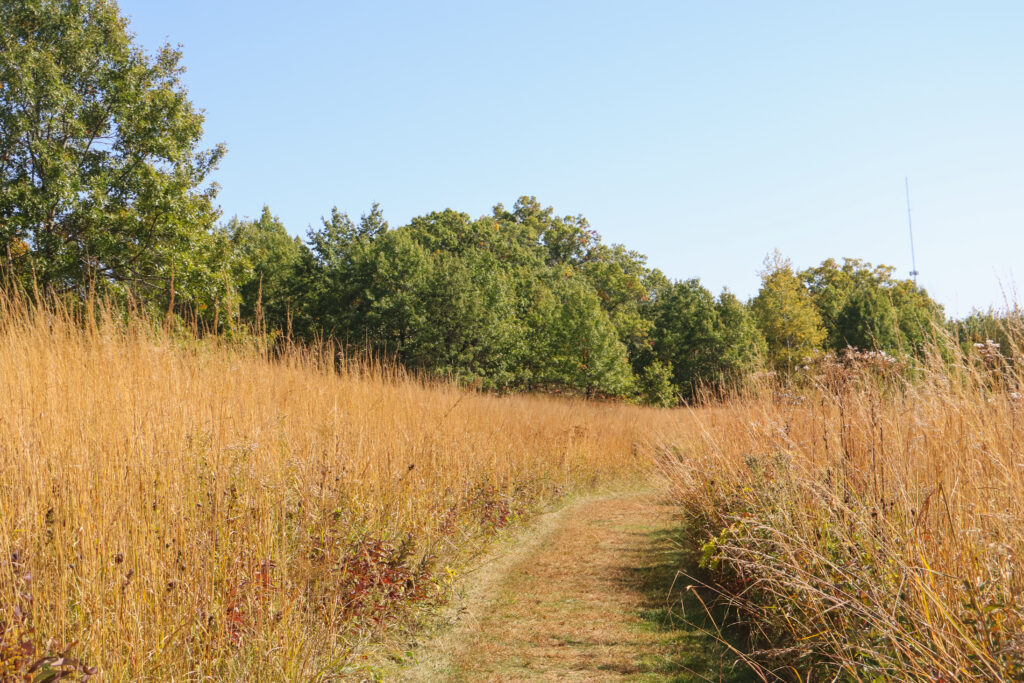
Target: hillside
176 507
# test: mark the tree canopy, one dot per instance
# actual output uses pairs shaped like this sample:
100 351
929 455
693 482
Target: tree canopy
101 175
786 315
104 187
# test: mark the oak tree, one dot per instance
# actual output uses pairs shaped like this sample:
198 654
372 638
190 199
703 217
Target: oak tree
101 172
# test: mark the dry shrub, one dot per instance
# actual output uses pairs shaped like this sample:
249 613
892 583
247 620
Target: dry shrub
871 523
181 508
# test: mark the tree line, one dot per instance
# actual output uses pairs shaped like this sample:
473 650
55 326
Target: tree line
525 299
104 190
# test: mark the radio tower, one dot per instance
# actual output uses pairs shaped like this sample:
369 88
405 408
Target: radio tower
910 225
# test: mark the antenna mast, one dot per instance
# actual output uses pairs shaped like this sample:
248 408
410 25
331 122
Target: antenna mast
910 225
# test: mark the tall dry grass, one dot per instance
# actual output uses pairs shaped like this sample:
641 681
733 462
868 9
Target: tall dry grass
869 523
182 509
174 509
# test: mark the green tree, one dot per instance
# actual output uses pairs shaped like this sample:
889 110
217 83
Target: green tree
706 342
618 276
686 335
267 260
867 320
340 274
786 315
831 284
654 385
1001 327
388 309
742 347
566 240
623 284
466 322
573 343
920 318
100 169
865 306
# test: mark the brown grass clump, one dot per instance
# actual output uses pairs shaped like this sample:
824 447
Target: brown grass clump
869 524
173 508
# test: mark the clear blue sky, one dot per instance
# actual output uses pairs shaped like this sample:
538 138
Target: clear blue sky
703 134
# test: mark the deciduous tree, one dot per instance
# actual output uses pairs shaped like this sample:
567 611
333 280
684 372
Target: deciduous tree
101 172
786 315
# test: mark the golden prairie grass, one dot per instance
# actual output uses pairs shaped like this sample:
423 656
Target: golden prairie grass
173 508
869 523
180 509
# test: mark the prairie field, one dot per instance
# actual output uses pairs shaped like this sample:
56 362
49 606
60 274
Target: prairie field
173 508
868 524
257 426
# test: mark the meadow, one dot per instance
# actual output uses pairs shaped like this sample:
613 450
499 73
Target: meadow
236 446
174 508
867 522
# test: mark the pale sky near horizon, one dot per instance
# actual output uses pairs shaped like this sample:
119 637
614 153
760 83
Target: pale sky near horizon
703 134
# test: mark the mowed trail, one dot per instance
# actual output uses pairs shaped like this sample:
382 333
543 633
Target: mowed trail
583 594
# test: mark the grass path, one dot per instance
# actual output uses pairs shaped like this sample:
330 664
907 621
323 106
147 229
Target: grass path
582 594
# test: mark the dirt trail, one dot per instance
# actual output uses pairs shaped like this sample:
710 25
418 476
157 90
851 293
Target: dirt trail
584 595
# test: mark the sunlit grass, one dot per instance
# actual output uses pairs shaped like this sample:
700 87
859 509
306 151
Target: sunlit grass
180 508
870 519
183 509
